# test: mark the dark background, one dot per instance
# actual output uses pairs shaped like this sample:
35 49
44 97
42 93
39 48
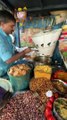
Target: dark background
37 5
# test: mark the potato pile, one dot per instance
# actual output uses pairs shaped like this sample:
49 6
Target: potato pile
19 70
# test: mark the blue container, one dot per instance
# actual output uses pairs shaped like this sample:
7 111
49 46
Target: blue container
20 83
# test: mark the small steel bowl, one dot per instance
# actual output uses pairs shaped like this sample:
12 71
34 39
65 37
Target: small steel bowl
43 59
60 86
59 101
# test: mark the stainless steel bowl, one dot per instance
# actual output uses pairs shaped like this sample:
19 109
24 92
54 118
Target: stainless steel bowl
60 86
43 59
60 104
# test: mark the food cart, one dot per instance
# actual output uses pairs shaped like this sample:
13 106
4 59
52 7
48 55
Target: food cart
37 89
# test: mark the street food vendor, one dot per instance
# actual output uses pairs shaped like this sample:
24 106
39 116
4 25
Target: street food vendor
7 50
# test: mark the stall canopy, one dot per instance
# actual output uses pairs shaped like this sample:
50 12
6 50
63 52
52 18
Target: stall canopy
37 5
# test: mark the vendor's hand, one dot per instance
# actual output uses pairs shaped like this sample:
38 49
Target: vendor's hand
28 57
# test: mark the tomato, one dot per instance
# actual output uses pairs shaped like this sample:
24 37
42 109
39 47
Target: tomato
49 105
47 112
55 75
58 73
50 117
56 95
52 99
